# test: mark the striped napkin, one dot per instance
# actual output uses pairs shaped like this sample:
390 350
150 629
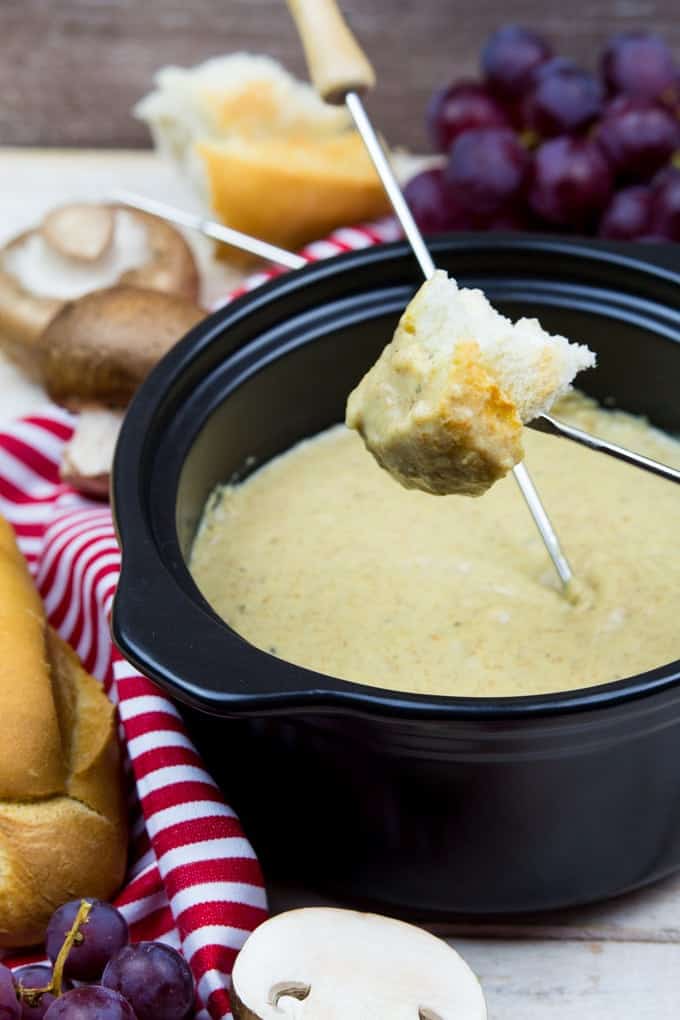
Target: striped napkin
194 881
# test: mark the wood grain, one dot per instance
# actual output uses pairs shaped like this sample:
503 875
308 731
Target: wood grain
575 981
72 69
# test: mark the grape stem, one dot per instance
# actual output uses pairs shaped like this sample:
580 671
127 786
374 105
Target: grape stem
32 996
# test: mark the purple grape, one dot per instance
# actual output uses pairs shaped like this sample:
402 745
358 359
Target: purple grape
104 932
571 182
91 1002
510 58
638 136
487 170
628 215
154 979
35 976
10 1007
666 205
640 64
460 107
564 100
434 208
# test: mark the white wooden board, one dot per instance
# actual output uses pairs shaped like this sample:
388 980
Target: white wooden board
615 961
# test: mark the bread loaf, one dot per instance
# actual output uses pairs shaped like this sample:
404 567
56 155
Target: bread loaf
62 810
270 158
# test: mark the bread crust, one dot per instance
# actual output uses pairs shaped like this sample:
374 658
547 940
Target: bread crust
291 192
63 830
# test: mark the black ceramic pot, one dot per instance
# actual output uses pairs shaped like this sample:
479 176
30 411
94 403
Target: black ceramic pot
424 805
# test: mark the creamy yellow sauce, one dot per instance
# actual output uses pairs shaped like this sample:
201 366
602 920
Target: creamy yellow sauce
321 558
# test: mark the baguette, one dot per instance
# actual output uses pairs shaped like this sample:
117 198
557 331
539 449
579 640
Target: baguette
62 811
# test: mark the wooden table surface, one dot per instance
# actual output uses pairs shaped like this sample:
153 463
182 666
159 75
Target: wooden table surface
614 961
72 69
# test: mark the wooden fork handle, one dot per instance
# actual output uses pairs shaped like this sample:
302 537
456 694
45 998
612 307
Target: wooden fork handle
337 64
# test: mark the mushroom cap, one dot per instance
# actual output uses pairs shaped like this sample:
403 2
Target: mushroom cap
99 348
320 963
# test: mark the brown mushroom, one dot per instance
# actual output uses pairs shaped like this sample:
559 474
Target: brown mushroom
325 964
70 255
99 348
170 267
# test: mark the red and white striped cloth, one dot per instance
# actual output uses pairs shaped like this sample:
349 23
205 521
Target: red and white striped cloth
194 880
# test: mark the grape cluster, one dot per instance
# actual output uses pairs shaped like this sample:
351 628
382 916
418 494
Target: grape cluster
96 974
543 144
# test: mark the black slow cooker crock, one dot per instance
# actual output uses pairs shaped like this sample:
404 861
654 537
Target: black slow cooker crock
423 805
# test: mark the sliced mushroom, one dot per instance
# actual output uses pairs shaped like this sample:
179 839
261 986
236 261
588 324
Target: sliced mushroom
42 268
99 348
88 456
23 317
170 266
80 231
325 964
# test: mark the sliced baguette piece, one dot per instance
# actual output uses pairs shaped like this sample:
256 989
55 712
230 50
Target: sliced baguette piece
442 409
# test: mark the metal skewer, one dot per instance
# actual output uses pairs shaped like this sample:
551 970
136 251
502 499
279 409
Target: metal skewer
340 70
211 229
412 232
544 423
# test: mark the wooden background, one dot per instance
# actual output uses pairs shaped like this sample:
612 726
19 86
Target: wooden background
70 70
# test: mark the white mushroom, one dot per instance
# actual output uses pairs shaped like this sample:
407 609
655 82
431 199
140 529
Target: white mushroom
87 457
325 964
79 231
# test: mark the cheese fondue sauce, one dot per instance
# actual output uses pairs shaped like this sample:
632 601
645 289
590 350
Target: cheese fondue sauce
321 558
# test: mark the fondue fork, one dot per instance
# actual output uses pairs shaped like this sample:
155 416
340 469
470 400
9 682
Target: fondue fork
546 423
341 72
219 232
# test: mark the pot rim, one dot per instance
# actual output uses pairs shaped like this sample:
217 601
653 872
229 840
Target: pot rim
148 594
